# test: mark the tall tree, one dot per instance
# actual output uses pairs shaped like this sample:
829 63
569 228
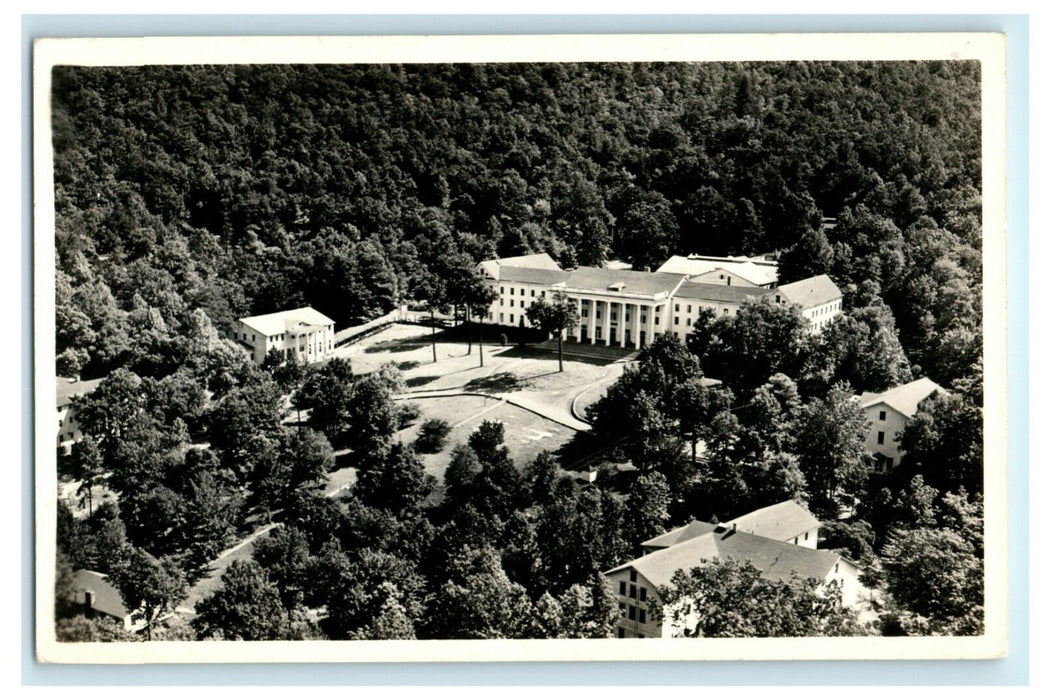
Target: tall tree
245 608
555 317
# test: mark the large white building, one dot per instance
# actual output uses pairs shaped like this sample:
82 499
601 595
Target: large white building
303 333
629 308
780 540
888 414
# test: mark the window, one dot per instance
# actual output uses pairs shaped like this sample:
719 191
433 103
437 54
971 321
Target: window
512 318
512 291
795 539
688 322
621 633
677 307
836 568
622 588
512 303
501 302
522 303
883 415
633 575
677 321
501 315
501 290
633 591
612 316
880 438
805 537
689 308
644 593
532 292
584 313
631 612
641 616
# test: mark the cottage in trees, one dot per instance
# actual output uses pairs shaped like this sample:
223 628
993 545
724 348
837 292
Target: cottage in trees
888 414
304 333
68 389
780 540
95 596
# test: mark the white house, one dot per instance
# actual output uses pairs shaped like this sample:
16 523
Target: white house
888 414
303 332
68 389
779 540
818 297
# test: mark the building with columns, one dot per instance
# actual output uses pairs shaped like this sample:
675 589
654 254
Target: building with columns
304 333
629 308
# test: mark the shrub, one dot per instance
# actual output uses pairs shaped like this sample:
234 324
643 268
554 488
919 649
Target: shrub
433 434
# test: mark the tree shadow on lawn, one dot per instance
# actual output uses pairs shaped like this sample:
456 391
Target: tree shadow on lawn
421 381
527 352
399 345
583 451
406 365
504 381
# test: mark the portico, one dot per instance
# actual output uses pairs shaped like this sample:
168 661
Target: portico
612 321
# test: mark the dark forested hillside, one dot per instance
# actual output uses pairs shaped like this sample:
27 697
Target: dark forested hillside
245 189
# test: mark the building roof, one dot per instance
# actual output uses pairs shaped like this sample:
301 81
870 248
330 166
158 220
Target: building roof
540 261
106 598
775 560
782 521
758 272
283 321
718 292
597 279
696 528
67 389
531 275
811 292
905 398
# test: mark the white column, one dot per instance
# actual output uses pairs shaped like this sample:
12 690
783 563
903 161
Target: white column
592 319
576 329
605 322
635 325
621 326
651 323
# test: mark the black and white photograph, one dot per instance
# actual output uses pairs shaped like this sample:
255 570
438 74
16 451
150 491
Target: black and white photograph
515 348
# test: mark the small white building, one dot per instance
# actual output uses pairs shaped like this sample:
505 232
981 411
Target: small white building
888 414
304 333
819 298
68 389
95 596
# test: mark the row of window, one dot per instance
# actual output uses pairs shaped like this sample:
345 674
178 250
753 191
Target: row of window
632 613
634 591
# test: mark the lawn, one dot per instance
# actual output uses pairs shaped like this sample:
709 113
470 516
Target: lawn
525 433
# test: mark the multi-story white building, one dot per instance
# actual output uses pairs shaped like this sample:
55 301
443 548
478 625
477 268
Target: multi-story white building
304 333
888 414
67 390
629 308
780 540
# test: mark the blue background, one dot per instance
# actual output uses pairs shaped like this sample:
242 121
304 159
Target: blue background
1012 670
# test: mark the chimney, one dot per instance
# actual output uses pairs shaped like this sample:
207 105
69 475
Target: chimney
88 600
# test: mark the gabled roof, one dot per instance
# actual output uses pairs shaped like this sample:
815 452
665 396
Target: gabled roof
696 528
283 321
106 598
597 279
67 389
718 292
810 292
782 521
531 275
758 272
540 261
775 560
905 398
